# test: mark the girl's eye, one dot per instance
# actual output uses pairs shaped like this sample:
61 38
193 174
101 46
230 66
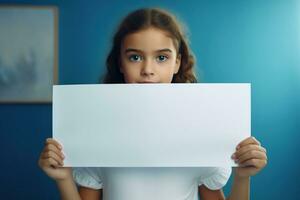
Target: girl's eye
161 58
135 58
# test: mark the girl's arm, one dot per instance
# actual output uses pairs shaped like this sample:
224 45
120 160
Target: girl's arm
240 189
68 189
251 158
207 194
51 162
90 194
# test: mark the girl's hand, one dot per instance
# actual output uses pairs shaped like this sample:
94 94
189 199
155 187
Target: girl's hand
51 161
250 156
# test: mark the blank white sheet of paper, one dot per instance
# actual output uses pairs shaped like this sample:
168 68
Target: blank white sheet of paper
151 125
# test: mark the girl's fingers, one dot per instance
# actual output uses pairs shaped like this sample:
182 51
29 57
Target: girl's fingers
51 147
52 162
247 148
54 142
50 155
257 163
247 141
254 154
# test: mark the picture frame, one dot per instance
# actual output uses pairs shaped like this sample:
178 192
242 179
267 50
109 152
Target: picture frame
28 53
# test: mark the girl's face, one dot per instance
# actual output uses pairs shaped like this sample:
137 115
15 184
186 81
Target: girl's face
149 56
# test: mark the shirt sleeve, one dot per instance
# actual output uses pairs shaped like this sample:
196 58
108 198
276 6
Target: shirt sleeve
216 178
89 177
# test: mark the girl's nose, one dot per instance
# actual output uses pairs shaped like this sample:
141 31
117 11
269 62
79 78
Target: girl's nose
147 68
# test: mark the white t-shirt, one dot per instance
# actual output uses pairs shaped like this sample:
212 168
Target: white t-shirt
163 183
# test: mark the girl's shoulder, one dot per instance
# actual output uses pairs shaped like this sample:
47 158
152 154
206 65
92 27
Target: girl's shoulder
90 177
215 177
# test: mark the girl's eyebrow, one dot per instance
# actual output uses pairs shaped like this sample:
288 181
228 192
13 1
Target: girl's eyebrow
140 51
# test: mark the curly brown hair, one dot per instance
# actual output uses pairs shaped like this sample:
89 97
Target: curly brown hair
143 19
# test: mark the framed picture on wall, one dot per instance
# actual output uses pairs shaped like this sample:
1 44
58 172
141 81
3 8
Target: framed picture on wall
28 53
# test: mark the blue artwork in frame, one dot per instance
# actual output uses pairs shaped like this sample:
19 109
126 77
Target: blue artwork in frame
28 53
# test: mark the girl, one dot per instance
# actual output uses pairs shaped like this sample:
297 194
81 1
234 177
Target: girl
150 47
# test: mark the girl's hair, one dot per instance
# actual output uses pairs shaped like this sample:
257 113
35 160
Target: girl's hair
142 19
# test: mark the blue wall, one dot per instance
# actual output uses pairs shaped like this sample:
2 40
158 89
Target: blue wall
234 41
